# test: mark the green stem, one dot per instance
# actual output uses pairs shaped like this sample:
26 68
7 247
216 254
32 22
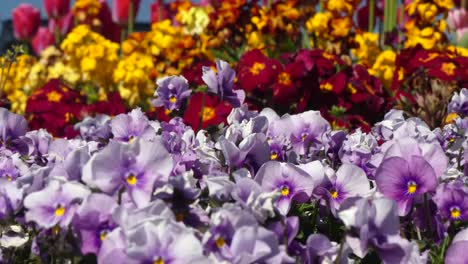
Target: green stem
201 111
122 39
463 4
130 17
57 33
371 15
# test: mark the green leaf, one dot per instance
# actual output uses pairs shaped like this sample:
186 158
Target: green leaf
305 40
337 111
463 42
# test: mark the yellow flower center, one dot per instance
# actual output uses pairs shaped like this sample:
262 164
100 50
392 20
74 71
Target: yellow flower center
257 68
451 117
167 111
284 78
59 211
448 68
103 235
179 217
334 194
9 178
131 179
173 99
326 87
412 187
273 155
53 96
304 136
68 117
455 212
158 261
284 191
208 113
220 242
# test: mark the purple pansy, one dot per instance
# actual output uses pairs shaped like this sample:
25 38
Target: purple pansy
126 127
221 83
164 242
171 92
95 128
459 103
11 125
408 170
56 204
289 180
94 221
456 253
137 167
452 200
348 181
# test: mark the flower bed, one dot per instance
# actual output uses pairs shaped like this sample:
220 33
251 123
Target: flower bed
236 131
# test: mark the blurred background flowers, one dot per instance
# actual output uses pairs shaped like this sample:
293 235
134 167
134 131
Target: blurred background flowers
352 60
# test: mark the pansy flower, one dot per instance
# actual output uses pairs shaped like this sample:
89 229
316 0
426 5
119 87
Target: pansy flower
291 182
56 204
452 201
171 92
94 221
221 83
409 170
126 127
137 167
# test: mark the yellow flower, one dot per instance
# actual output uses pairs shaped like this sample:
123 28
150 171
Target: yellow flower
195 20
15 80
133 77
341 26
338 6
384 67
458 50
255 40
90 54
318 24
447 4
427 11
368 48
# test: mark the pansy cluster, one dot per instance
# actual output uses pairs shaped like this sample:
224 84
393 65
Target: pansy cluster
264 188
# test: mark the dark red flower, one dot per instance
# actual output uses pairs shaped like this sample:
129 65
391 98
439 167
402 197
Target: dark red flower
215 111
65 24
42 40
56 8
256 71
285 89
113 106
56 108
159 11
336 83
121 10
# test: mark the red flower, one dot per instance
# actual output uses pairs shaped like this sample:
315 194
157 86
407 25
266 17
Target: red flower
42 40
159 11
256 71
285 89
334 84
113 106
56 108
121 9
56 8
215 111
319 60
64 23
26 21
